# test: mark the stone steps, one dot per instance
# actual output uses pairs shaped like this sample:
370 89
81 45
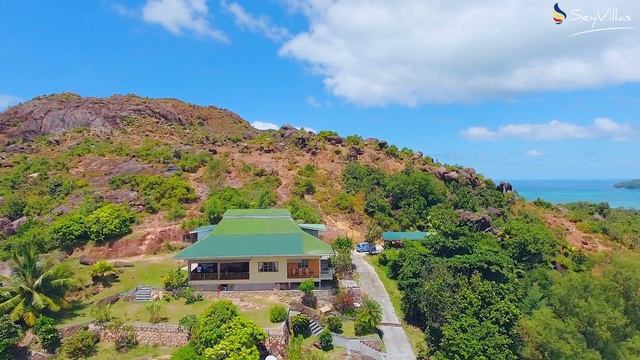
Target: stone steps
142 293
315 327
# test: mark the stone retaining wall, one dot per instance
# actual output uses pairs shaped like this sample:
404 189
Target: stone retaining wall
151 334
277 339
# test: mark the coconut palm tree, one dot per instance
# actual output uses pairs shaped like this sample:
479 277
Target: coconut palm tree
34 287
368 317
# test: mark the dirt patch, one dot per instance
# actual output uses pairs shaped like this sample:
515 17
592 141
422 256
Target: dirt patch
575 236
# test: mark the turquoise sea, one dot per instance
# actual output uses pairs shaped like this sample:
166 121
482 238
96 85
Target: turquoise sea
565 191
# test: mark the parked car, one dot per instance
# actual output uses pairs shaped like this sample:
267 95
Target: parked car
363 247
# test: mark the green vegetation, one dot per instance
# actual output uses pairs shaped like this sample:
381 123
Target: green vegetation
108 222
47 333
9 336
154 308
277 314
368 317
259 194
158 192
334 324
81 345
622 226
174 279
629 184
222 334
304 212
326 341
36 287
300 325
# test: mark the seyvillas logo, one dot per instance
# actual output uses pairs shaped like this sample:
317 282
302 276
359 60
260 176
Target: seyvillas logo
558 14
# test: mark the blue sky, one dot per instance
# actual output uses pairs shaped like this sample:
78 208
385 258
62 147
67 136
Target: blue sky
518 98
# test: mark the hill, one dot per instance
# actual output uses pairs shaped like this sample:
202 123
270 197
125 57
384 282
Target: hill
87 146
630 184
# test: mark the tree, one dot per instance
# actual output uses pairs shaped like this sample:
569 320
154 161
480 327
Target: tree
174 279
81 345
241 340
368 317
35 286
9 336
208 331
108 222
47 333
69 231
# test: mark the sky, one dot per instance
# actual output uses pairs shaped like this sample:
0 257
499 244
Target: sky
496 85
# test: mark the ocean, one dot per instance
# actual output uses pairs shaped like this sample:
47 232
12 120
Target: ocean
565 191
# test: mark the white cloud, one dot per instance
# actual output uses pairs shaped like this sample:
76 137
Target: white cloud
312 101
554 130
260 24
534 153
377 52
263 125
121 9
8 100
177 16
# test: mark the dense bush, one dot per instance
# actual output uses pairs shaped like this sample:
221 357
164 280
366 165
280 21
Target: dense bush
208 331
14 207
303 211
277 314
174 279
108 222
325 339
158 192
47 333
188 322
308 299
344 301
259 194
300 324
334 324
186 352
69 231
9 336
81 345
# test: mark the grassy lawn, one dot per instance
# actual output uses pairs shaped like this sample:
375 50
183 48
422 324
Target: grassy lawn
335 353
347 328
147 272
415 335
107 351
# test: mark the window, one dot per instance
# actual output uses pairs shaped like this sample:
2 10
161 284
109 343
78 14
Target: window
303 264
270 266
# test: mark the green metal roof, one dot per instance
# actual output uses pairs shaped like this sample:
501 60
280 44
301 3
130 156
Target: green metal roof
318 227
203 228
403 235
263 232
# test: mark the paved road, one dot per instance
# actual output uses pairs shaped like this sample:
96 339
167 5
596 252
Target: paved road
395 339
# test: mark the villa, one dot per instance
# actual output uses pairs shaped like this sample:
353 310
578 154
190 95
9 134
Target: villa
257 249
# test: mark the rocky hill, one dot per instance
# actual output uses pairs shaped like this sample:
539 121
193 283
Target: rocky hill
174 164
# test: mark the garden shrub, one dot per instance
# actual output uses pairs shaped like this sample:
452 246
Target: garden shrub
208 331
190 296
81 345
344 301
326 341
103 272
9 336
108 222
69 231
277 314
186 352
174 279
154 308
125 339
334 324
102 314
300 324
188 322
47 333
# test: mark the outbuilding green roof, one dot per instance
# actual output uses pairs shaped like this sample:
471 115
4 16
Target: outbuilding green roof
260 232
403 235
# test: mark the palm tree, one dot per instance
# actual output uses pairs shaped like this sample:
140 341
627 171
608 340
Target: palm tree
368 317
34 287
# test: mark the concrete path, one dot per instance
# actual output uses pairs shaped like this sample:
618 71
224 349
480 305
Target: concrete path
395 340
